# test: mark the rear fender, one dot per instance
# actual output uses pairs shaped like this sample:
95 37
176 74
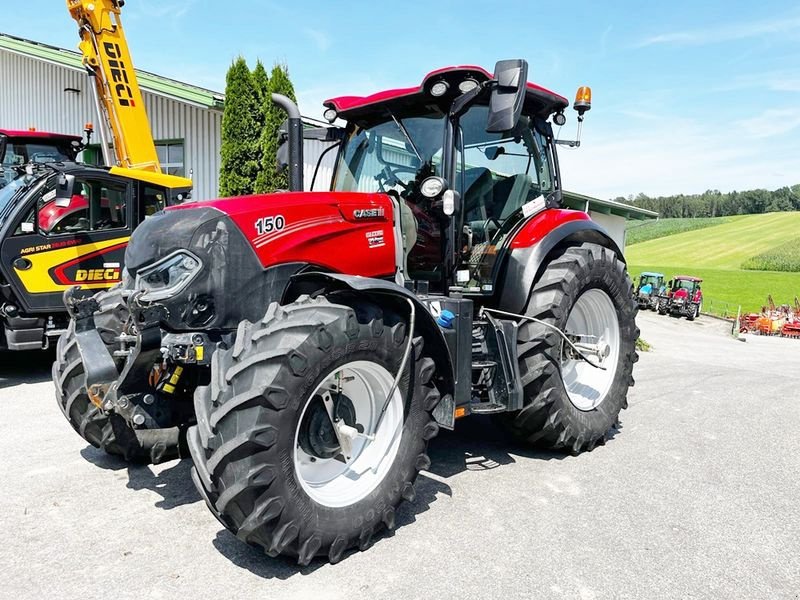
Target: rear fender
381 291
534 245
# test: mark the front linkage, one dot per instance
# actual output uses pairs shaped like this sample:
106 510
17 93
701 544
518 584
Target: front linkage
136 377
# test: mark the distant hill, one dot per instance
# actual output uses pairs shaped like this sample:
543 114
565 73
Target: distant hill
719 250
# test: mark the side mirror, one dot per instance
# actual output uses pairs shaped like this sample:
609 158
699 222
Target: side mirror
492 152
508 95
64 187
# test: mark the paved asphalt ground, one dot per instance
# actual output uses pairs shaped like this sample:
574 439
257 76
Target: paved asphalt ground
697 496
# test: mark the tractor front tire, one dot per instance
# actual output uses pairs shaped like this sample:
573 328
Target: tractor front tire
266 453
568 404
109 432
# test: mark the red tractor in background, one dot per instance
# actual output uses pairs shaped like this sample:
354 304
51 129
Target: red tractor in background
305 347
21 147
683 298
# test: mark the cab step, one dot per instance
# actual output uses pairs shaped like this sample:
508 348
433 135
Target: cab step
486 408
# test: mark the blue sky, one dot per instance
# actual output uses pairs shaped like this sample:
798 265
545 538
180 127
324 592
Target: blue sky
688 96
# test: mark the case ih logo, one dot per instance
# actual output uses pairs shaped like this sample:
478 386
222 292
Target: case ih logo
119 74
368 213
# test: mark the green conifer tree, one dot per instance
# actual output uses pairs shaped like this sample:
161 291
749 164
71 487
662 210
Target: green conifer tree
269 178
241 130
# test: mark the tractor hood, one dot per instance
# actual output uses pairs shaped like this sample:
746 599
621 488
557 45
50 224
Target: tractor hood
343 232
248 248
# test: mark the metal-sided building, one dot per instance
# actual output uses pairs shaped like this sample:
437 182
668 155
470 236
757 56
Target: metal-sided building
47 88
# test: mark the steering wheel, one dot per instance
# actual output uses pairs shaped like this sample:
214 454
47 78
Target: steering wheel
390 175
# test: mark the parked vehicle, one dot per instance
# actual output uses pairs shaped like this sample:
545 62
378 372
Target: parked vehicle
64 223
305 347
683 297
20 147
648 290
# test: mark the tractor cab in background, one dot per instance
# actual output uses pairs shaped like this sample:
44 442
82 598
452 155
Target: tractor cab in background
20 147
648 290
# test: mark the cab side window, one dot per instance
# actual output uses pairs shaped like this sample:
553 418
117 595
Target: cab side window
153 200
94 205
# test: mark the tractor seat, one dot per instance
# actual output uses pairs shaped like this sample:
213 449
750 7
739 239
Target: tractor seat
477 195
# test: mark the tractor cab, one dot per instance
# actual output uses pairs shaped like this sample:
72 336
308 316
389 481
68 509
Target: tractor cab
465 175
648 289
21 147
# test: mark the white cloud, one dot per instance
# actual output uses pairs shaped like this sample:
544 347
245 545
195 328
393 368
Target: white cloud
772 122
320 38
774 81
726 32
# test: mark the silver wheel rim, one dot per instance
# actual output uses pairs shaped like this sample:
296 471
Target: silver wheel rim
336 481
594 319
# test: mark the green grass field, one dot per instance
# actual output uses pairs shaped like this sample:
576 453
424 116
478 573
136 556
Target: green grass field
644 231
717 252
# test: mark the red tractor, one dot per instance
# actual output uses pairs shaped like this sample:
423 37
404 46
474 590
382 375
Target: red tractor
305 347
683 298
21 147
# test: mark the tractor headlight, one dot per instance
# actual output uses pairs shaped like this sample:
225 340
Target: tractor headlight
168 276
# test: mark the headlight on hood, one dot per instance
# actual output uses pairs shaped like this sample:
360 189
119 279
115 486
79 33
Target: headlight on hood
168 276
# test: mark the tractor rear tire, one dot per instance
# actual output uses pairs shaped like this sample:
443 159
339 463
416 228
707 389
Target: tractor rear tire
251 446
556 414
109 432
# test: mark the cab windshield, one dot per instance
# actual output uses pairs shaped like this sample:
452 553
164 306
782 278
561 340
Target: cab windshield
649 279
391 152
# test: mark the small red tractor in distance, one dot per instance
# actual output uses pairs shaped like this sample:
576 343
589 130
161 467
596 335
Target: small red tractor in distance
306 346
683 298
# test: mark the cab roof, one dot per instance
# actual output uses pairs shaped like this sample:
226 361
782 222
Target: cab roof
348 106
23 133
651 274
687 278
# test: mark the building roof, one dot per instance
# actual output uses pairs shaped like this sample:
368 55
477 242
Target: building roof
608 207
149 82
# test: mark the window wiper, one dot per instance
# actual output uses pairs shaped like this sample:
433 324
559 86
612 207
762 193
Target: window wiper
404 131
